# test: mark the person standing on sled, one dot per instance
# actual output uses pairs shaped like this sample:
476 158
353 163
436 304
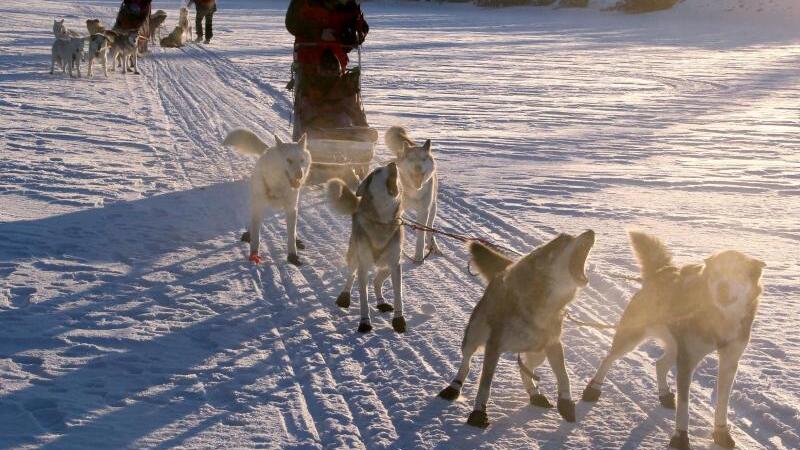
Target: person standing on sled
325 31
134 15
205 9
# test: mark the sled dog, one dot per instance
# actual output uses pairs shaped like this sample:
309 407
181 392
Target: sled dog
69 53
125 49
157 20
376 240
522 311
94 26
62 32
280 173
420 186
178 36
99 44
693 310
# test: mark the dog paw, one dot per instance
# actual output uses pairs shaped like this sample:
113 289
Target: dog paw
300 244
449 393
478 419
399 324
591 394
255 259
364 327
294 260
245 237
667 400
343 300
541 401
722 437
385 307
680 440
566 408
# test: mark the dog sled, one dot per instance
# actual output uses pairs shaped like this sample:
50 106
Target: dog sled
328 109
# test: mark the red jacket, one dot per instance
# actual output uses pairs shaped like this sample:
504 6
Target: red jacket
307 19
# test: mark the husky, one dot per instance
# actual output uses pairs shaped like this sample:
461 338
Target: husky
156 24
124 49
376 240
183 22
522 311
69 53
278 177
693 310
99 44
62 32
94 26
178 36
420 185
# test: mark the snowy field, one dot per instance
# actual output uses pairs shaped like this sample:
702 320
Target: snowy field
130 318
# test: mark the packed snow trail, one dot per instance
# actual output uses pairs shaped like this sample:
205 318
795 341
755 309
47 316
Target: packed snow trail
131 319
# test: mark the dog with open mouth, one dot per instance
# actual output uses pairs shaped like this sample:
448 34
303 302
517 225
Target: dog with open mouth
522 311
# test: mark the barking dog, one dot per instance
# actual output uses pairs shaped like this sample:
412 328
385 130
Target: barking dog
280 173
178 36
420 186
99 45
693 310
69 53
522 311
376 240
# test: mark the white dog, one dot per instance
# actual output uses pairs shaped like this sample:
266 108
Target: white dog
99 45
178 36
67 52
375 241
277 179
420 186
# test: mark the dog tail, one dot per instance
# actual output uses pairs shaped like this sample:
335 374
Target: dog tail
245 141
651 253
344 201
488 262
395 138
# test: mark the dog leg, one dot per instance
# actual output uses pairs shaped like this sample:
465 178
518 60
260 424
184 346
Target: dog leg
728 364
686 365
419 254
624 342
343 300
105 65
555 356
434 246
291 231
135 59
364 326
52 65
398 322
666 362
452 391
257 206
377 287
478 417
531 362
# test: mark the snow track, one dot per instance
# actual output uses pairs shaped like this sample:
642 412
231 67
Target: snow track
131 319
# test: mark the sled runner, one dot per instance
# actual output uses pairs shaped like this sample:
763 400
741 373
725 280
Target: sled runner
328 108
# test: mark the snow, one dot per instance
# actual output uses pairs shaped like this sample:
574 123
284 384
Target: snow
130 318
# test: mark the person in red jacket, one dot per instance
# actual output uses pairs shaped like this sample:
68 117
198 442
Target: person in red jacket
205 10
325 32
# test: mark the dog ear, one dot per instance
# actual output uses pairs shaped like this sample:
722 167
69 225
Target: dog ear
278 140
427 146
391 180
362 188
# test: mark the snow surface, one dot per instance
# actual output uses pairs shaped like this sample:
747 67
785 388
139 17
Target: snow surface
129 317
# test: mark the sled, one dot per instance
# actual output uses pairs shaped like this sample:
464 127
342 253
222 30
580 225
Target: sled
341 143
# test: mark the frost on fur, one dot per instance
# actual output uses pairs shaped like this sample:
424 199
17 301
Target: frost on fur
245 141
650 252
488 262
341 197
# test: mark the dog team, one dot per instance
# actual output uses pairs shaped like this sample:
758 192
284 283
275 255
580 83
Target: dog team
122 47
693 310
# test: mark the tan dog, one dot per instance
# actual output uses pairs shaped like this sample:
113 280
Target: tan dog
95 26
693 310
